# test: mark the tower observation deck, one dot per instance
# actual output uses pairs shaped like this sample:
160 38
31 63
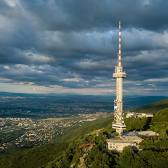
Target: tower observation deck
119 74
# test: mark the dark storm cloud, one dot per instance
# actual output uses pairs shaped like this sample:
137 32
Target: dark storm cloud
90 14
73 43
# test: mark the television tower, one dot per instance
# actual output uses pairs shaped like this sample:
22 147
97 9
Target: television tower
119 74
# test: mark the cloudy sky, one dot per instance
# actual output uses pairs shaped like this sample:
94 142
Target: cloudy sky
70 46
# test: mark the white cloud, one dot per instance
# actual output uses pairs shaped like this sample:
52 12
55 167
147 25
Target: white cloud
157 80
37 58
12 3
76 79
6 67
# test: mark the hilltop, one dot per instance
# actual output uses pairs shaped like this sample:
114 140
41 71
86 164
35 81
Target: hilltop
85 146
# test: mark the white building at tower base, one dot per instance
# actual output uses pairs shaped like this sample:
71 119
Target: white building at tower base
119 143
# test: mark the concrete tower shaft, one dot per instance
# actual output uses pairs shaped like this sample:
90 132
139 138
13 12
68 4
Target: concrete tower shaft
119 74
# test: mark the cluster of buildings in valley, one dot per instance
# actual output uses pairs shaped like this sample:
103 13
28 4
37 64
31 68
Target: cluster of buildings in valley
26 132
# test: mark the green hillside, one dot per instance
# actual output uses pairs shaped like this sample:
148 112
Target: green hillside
154 107
160 122
85 146
91 151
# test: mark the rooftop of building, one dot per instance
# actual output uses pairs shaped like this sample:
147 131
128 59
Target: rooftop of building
125 139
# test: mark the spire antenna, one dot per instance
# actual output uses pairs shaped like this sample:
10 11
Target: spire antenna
119 45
